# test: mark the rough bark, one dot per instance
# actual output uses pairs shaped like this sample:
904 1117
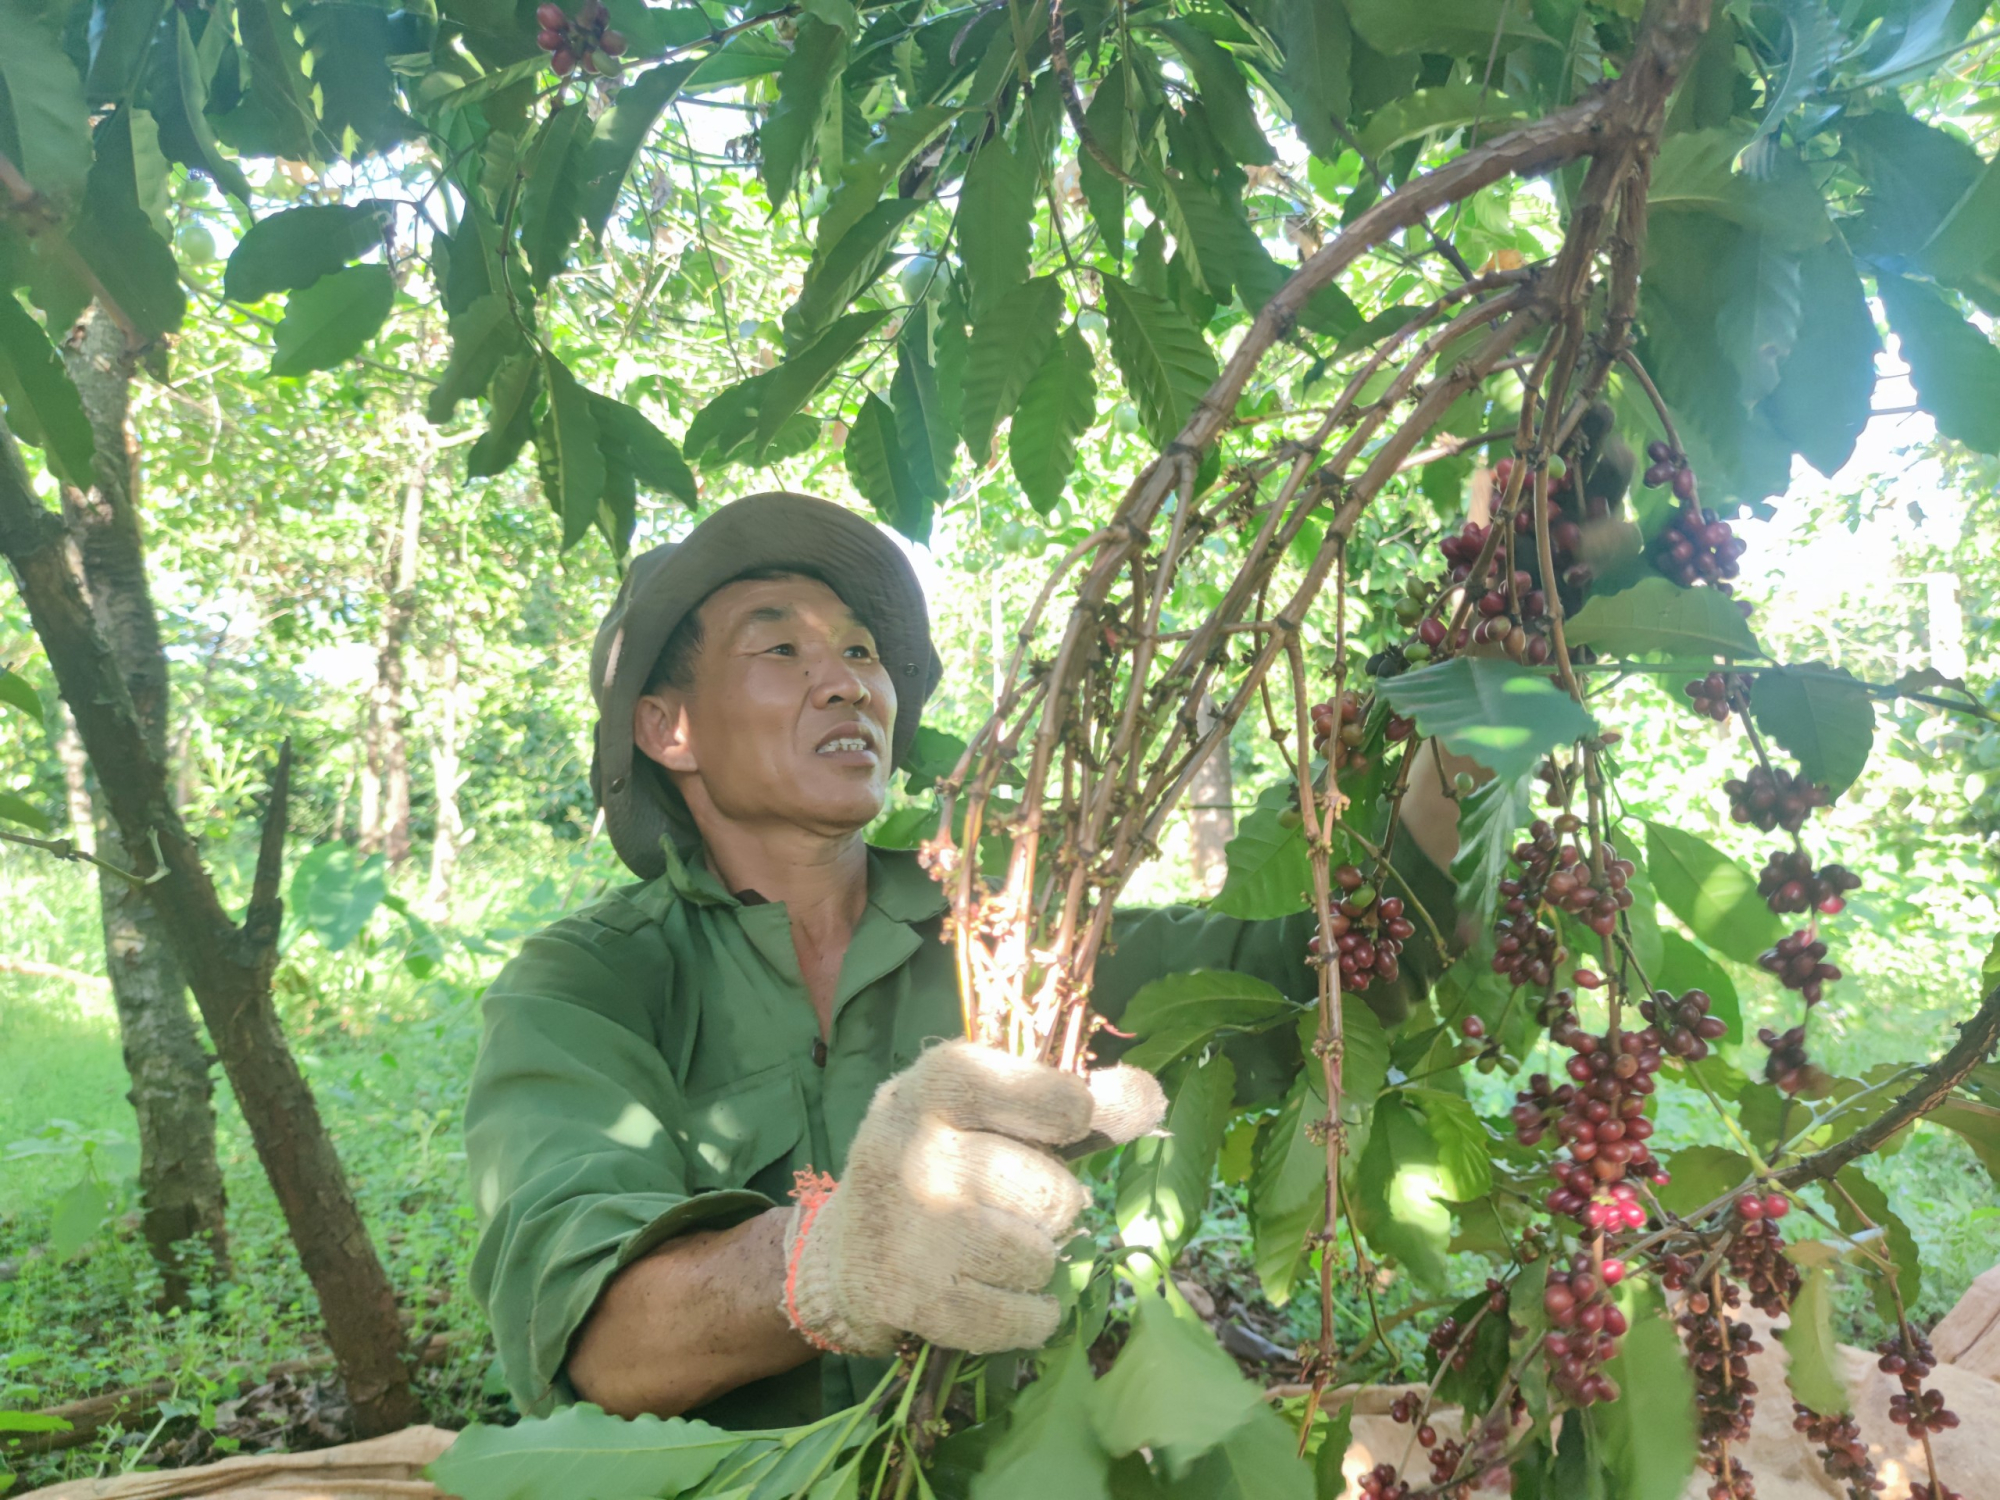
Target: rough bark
1211 809
76 784
227 965
385 790
180 1180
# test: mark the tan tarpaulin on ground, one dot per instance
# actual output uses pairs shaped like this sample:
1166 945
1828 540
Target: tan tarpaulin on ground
1785 1467
384 1468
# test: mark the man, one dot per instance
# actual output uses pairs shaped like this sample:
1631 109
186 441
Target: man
768 1015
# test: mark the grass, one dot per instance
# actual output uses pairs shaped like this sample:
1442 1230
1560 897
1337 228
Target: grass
388 1051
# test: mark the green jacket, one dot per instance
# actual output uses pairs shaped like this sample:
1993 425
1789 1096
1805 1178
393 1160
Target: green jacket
653 1065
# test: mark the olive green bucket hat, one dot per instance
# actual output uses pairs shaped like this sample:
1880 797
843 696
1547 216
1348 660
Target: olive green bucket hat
772 530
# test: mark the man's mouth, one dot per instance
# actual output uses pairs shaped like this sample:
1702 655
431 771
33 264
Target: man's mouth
843 742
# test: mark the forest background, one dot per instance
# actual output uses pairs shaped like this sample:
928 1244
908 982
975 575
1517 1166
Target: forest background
325 571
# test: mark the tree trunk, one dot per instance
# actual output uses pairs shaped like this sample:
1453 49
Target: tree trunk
76 783
1211 808
180 1181
227 965
388 735
447 776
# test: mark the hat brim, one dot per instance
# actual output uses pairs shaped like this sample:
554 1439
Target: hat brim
776 529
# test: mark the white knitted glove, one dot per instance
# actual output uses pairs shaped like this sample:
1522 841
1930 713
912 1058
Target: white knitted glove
947 1222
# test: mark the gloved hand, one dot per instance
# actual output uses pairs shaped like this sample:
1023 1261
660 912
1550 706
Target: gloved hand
947 1222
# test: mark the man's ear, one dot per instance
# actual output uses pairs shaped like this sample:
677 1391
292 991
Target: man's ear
660 731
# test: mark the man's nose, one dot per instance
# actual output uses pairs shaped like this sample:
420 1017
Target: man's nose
835 682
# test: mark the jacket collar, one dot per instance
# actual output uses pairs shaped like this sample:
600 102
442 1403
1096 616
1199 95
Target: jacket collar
898 885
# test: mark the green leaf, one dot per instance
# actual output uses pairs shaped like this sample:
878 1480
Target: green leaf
1978 1124
1364 1065
1656 614
807 84
1965 250
272 60
1049 1447
1445 107
191 76
628 434
19 810
290 250
509 417
1258 1461
1696 173
724 430
482 337
1814 1371
582 1450
1213 239
1172 1390
925 428
551 210
786 388
1009 344
1110 125
1813 43
1287 1188
621 130
349 42
1504 716
117 239
568 452
1648 1442
1711 892
1759 319
1916 175
996 225
1954 366
1459 28
121 36
838 275
1684 967
16 692
1825 384
332 320
1329 1478
1698 1175
1870 1205
43 407
1167 365
1317 46
76 1216
1822 715
335 891
863 178
1397 1187
1487 823
51 123
1180 1013
1219 83
1163 1182
33 1421
1464 1149
1057 408
881 471
1269 874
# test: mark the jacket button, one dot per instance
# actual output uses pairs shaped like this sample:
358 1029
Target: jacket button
819 1052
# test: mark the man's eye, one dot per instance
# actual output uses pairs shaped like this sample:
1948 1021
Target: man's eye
784 648
861 653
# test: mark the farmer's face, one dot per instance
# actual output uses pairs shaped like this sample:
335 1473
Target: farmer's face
788 718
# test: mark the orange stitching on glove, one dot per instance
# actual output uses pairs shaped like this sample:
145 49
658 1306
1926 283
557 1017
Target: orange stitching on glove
811 1191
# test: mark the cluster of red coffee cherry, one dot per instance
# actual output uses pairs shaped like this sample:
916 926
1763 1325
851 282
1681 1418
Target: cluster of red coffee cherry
1757 1257
1843 1453
1789 886
1771 799
1383 1483
1601 1117
1798 962
1686 1028
585 39
1907 1355
1719 1349
1697 546
1718 695
1587 1326
1369 930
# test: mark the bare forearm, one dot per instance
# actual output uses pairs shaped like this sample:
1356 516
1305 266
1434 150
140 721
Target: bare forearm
684 1325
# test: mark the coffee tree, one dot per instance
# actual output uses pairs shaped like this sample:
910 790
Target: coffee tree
1581 279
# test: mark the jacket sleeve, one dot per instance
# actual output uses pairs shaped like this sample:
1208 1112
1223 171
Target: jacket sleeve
572 1136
